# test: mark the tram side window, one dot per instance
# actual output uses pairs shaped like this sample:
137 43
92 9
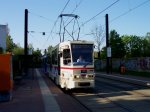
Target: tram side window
66 57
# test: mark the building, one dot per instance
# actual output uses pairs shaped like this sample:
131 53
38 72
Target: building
3 35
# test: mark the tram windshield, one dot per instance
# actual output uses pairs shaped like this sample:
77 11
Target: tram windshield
82 54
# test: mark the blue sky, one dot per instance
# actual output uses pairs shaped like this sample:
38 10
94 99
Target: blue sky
137 22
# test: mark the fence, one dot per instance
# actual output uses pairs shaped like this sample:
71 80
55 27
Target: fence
133 64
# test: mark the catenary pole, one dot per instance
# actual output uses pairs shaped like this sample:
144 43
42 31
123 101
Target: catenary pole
26 40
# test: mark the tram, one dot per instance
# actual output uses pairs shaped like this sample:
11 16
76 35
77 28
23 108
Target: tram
73 64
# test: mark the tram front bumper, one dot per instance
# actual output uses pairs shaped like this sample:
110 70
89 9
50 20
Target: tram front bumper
81 84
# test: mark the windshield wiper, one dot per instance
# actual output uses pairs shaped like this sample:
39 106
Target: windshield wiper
87 64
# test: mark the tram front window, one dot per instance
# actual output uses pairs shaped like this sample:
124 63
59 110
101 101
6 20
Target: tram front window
82 54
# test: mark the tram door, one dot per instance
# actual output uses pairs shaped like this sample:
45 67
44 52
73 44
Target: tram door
59 64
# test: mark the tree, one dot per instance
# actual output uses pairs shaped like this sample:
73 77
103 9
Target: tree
37 57
1 50
49 55
9 44
146 45
126 39
117 45
98 34
103 53
49 50
18 50
134 45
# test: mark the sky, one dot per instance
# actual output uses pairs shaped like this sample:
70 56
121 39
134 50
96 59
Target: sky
44 13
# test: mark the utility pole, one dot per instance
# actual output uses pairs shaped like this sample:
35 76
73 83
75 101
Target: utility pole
108 46
26 39
26 33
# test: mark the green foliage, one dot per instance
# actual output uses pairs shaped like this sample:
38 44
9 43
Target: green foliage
49 50
128 46
9 44
12 47
136 46
37 58
18 50
126 39
97 55
147 45
1 50
103 53
117 45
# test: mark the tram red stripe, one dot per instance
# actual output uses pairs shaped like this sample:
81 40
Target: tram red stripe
75 68
68 68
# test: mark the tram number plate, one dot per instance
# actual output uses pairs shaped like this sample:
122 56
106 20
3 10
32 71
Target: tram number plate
83 71
84 84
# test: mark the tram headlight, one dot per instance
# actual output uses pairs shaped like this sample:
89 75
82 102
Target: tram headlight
91 76
76 76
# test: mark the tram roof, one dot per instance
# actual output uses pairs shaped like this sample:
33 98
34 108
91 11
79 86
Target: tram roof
73 42
77 42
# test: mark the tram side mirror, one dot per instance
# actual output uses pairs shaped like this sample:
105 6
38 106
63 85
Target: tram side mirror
60 54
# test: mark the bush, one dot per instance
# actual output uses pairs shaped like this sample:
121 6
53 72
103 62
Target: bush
137 73
1 50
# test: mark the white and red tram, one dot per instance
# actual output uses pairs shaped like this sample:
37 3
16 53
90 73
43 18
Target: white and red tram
67 71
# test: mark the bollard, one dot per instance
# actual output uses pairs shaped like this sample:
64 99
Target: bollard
122 69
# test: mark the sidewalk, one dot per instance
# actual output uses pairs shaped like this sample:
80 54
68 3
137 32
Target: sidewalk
26 96
127 76
144 81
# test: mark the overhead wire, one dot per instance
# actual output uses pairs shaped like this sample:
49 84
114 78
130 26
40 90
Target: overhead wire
64 22
123 14
34 37
58 16
71 12
76 6
74 9
87 21
100 13
40 16
65 6
56 23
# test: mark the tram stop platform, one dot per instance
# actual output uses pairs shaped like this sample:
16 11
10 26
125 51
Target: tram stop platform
31 95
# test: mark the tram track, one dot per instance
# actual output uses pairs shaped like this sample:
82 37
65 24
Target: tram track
112 105
81 103
126 108
127 91
100 99
65 102
133 88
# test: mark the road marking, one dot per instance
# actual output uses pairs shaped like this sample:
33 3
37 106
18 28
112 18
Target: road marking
48 98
